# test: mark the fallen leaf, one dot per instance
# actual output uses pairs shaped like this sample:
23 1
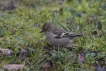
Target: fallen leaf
13 66
10 6
101 69
81 58
6 51
47 66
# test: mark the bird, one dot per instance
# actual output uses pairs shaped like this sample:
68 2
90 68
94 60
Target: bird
58 37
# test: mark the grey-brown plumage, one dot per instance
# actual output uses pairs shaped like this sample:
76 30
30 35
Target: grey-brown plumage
57 36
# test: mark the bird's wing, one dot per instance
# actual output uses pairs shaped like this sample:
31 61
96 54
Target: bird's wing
58 34
73 35
67 35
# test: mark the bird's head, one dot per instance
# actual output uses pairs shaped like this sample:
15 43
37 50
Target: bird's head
47 27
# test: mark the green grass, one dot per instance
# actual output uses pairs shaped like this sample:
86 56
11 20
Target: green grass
17 31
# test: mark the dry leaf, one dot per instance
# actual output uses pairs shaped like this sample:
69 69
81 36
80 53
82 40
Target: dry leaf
81 58
101 69
47 66
6 51
10 6
13 66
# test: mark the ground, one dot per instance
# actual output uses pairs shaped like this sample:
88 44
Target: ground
20 29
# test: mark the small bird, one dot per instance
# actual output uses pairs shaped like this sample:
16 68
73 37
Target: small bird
57 36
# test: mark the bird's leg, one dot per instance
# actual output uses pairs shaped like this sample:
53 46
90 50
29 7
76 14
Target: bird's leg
58 47
72 44
53 47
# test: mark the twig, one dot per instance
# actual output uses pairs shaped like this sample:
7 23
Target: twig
41 60
98 64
